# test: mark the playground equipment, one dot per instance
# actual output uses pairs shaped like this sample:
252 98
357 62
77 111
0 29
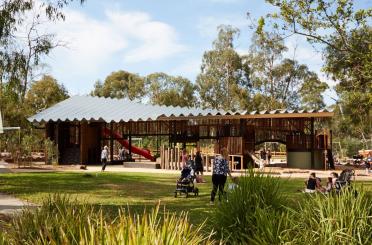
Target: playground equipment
143 152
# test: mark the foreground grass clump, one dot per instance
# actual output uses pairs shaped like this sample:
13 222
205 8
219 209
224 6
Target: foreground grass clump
61 220
339 219
253 212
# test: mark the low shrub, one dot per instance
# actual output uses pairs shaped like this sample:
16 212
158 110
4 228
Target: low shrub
341 219
61 220
253 212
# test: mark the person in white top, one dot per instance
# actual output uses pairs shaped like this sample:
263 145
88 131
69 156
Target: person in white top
104 157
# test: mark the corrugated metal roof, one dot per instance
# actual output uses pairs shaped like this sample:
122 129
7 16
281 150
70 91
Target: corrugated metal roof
78 108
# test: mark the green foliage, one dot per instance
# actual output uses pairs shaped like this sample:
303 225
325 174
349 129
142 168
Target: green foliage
120 84
281 83
170 91
253 212
339 219
45 93
223 82
345 33
62 220
51 151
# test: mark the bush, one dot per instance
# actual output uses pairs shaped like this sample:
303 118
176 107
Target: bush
340 219
61 220
253 213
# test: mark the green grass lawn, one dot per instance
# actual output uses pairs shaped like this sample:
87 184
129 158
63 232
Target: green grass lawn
133 190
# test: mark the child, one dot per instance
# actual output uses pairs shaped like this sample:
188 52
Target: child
234 184
329 186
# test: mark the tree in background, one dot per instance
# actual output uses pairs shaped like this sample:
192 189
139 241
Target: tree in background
281 83
121 84
345 34
169 90
223 82
45 93
22 50
354 73
311 92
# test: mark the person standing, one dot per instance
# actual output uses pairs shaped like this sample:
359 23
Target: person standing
184 158
268 157
199 167
263 159
122 153
219 176
104 157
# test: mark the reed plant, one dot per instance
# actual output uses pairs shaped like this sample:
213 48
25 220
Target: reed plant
253 213
63 220
345 218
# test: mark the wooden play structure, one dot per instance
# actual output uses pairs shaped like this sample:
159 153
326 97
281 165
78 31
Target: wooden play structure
81 126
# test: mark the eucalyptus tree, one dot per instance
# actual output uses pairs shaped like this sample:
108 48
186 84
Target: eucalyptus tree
344 33
121 84
44 93
164 89
223 81
281 82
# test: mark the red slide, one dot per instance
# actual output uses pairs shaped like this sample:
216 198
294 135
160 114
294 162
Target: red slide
143 152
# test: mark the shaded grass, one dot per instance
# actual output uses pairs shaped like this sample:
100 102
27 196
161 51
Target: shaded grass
133 190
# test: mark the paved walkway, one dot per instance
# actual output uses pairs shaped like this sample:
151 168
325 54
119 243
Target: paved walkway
10 204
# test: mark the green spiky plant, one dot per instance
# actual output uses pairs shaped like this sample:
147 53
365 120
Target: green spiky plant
336 219
253 212
62 220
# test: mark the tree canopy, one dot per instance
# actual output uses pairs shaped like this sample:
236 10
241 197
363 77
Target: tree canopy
121 84
278 82
45 93
223 82
169 90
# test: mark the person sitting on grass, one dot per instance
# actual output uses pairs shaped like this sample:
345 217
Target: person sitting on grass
313 184
331 184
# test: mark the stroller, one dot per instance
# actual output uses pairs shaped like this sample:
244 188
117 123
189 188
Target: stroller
344 180
185 184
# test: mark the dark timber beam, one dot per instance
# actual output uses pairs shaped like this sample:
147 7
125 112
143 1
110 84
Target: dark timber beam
312 144
111 141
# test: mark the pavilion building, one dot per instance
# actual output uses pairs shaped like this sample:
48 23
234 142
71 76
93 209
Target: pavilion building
82 125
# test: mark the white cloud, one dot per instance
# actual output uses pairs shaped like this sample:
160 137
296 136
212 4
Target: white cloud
189 68
133 36
156 40
207 25
299 49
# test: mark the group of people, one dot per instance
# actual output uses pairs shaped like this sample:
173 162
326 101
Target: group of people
220 171
196 164
122 154
313 184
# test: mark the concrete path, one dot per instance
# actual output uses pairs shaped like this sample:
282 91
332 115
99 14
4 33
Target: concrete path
4 168
10 205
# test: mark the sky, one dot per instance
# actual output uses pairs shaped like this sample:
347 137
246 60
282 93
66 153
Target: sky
146 36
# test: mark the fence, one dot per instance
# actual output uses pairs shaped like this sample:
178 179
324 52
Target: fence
170 158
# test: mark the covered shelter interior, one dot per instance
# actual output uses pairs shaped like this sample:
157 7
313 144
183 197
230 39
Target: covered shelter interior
82 125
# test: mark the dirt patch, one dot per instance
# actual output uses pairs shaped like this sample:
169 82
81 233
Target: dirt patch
295 172
115 186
